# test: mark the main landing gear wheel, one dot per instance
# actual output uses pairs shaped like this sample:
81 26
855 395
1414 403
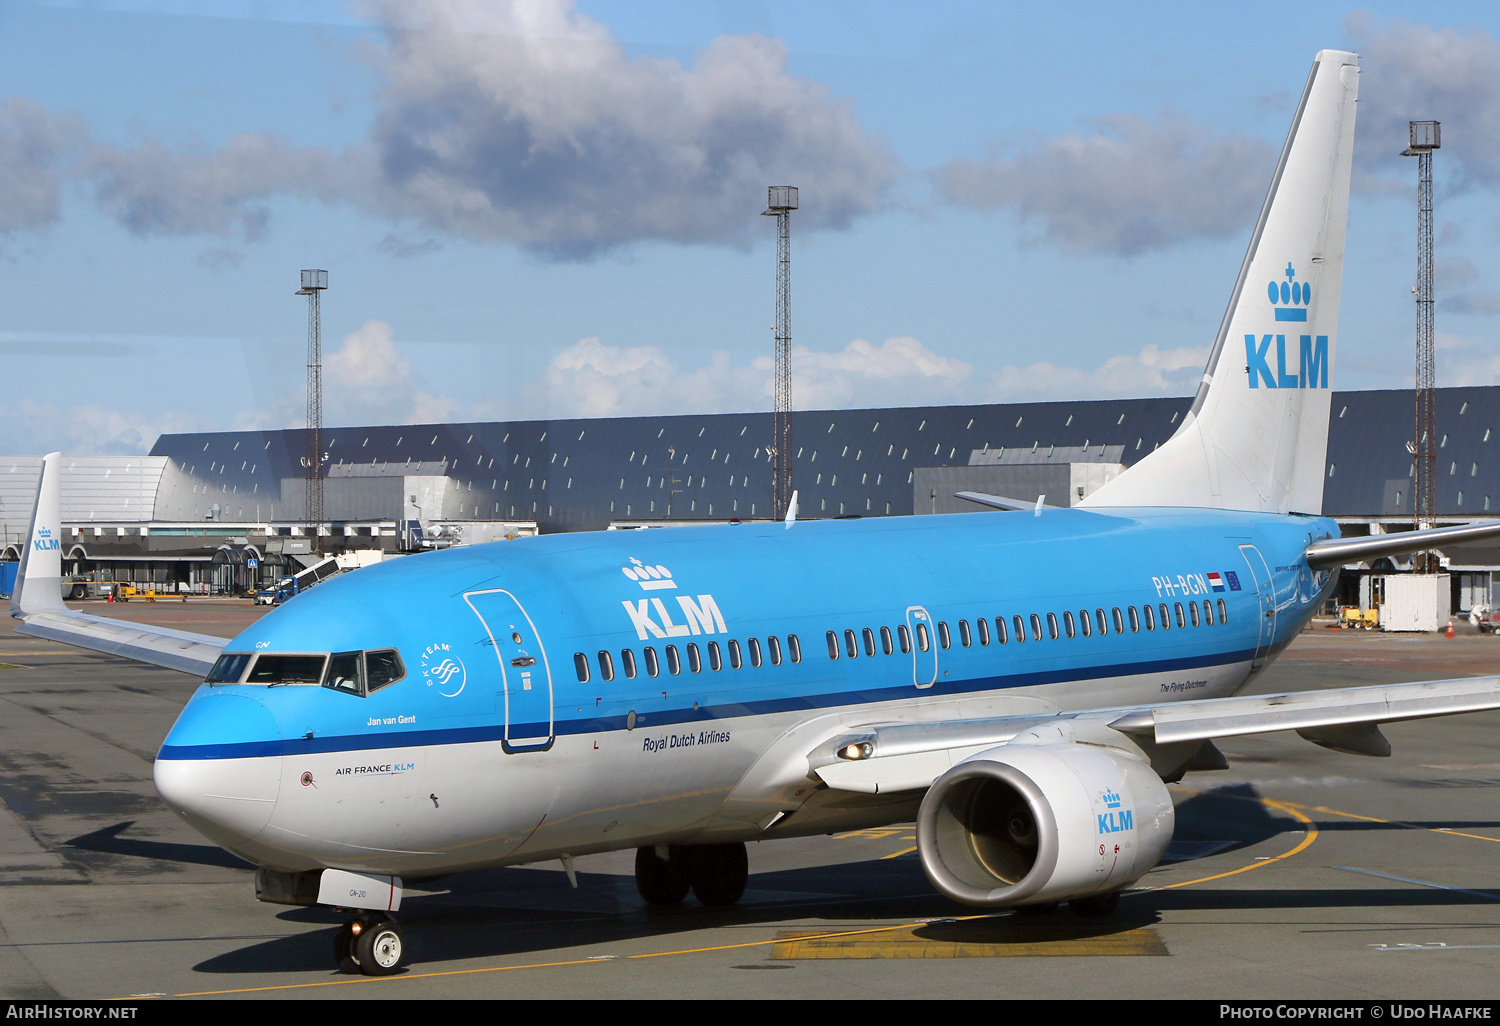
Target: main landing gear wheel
372 945
1097 905
719 873
661 881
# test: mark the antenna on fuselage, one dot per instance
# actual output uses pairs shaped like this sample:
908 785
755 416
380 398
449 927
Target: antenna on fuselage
791 510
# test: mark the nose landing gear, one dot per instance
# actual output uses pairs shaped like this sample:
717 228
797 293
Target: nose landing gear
372 945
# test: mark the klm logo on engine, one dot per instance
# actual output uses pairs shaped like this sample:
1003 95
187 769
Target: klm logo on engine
1117 819
44 542
651 617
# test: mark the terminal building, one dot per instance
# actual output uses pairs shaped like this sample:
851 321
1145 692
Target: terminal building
224 511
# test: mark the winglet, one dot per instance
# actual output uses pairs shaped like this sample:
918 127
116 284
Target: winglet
791 511
39 577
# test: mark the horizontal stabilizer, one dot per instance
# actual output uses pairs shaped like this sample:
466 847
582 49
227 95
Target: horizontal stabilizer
1341 551
1001 502
37 599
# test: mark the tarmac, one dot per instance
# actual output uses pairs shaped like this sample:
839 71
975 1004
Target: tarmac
1296 873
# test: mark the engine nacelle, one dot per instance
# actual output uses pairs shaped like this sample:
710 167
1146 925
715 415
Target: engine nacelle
1026 823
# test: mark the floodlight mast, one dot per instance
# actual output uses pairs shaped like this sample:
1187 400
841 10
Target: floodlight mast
781 201
313 284
1426 136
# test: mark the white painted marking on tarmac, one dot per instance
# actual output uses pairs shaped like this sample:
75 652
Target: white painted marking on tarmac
1421 883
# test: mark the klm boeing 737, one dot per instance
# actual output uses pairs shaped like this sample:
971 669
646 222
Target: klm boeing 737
1021 684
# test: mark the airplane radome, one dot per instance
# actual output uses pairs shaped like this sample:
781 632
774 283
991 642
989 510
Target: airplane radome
1021 683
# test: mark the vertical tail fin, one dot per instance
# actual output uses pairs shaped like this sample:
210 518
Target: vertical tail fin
39 577
1257 434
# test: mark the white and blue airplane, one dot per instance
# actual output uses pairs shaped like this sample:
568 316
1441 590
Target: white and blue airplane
1021 684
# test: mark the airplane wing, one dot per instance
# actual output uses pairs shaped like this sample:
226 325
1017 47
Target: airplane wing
1339 551
910 756
37 600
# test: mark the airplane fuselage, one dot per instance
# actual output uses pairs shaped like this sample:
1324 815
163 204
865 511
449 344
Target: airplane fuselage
579 693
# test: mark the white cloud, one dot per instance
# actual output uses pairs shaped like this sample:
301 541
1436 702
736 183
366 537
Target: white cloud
368 380
1152 371
89 429
1131 185
1465 360
526 122
590 379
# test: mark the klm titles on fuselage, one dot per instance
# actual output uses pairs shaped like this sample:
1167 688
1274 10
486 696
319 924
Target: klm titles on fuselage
700 615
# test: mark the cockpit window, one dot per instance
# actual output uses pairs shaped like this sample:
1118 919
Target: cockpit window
382 668
287 669
344 673
229 668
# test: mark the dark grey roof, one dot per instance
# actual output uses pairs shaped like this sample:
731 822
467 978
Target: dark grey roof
572 475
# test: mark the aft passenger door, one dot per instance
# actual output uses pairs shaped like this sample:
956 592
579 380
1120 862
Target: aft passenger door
924 658
524 671
1265 588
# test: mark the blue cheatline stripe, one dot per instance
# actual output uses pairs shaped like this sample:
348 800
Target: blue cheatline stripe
707 714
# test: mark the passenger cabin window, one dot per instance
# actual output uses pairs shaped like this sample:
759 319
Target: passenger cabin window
1085 623
983 626
1166 617
653 668
1150 618
774 647
287 669
794 648
851 645
1068 626
1000 635
343 673
581 667
606 667
1223 612
1193 612
924 640
695 660
1135 620
627 663
833 645
1052 626
715 659
735 662
887 643
1119 621
228 668
869 637
1208 613
944 638
1020 626
1036 627
904 636
674 661
754 652
964 637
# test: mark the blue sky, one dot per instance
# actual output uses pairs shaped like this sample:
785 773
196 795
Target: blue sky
552 209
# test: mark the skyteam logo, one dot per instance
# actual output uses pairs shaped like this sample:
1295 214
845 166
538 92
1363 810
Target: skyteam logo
1117 819
443 670
44 542
1290 297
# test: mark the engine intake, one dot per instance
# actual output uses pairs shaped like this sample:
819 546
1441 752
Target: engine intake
1026 823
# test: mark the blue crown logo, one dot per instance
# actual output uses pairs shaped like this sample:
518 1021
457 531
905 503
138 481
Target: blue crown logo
1290 297
1111 799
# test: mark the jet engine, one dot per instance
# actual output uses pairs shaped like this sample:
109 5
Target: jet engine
1027 824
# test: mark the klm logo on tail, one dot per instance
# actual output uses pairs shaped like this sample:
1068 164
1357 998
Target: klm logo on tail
1290 299
44 541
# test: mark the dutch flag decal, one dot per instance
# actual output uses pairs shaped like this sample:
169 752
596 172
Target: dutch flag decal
1216 582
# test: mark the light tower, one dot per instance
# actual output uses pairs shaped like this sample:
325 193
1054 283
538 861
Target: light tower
1426 136
313 284
781 202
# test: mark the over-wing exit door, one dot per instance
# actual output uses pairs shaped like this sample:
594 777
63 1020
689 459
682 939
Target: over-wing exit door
524 669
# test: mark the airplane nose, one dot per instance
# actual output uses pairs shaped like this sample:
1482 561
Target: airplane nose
220 766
